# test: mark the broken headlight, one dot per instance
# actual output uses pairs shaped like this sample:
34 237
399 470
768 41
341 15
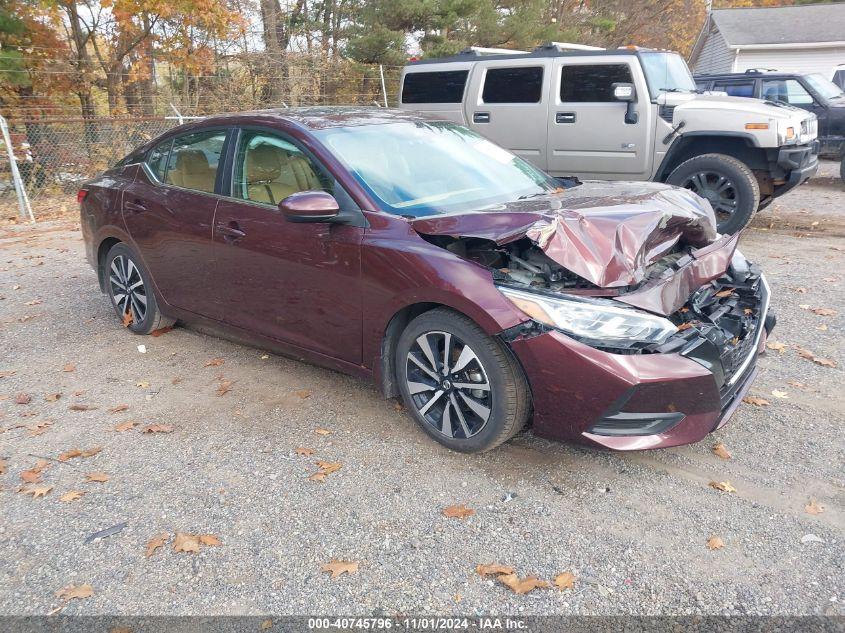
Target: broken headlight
595 322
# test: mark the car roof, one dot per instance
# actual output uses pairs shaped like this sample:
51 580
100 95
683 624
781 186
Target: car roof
757 75
315 117
542 52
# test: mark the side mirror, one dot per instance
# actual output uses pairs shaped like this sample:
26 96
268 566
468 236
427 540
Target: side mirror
309 206
626 93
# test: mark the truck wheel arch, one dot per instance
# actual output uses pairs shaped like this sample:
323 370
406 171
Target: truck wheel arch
739 145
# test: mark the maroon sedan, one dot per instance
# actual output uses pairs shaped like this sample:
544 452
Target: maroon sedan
454 274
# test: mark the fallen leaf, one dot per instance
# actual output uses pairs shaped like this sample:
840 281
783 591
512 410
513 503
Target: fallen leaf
125 426
714 542
52 397
75 592
69 368
209 539
800 290
155 542
727 292
127 318
224 387
493 569
71 454
338 567
824 362
823 311
214 362
303 393
318 476
6 374
72 495
37 491
175 380
779 394
266 624
684 326
142 384
724 486
91 451
23 398
814 507
119 408
328 467
305 452
322 432
3 466
96 477
512 582
82 407
457 512
39 427
188 543
777 346
34 302
722 451
161 330
566 580
31 476
757 402
157 428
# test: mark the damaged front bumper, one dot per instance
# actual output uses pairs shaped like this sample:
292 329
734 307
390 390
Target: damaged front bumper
675 393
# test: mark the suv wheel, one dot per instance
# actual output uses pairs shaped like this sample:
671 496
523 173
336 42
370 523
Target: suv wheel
727 183
462 387
130 291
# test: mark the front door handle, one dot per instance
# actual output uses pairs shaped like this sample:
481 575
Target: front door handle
231 232
481 117
134 206
565 117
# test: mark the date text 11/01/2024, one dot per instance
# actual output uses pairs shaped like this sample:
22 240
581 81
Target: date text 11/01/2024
420 624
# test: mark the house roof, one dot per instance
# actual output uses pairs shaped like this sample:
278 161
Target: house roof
809 23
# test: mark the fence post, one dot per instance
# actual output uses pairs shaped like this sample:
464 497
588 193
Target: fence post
24 208
383 89
178 114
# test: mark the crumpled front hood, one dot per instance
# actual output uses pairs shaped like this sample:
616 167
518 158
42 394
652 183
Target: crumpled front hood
606 232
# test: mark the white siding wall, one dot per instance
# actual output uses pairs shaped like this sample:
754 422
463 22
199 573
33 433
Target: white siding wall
819 60
715 55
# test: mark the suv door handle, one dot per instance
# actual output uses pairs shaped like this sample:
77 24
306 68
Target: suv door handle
481 117
230 232
564 117
134 206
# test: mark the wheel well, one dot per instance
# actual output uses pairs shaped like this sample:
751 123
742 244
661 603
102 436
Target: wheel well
102 251
687 147
391 336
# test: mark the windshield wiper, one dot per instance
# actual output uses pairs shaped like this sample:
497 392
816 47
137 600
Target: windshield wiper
534 195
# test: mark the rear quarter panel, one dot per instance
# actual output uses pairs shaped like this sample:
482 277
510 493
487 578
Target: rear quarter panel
101 212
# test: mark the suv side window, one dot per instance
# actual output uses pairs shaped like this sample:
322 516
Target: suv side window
786 91
194 159
434 87
522 84
157 159
591 82
735 88
268 169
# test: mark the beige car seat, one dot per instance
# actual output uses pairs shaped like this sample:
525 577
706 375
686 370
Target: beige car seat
192 171
272 174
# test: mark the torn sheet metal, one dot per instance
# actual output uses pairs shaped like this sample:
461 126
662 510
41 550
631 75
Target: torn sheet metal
606 232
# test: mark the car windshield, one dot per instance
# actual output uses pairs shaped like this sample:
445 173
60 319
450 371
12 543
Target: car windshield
424 168
666 72
824 87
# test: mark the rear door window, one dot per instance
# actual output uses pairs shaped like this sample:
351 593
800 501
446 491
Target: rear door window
735 88
592 83
194 159
434 87
523 84
157 159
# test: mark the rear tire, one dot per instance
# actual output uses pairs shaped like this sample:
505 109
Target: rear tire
727 183
472 398
129 287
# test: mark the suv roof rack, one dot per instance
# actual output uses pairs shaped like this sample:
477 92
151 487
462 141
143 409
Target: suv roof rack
481 51
566 46
760 71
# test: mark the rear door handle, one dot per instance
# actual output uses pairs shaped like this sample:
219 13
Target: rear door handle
481 117
134 206
230 232
564 117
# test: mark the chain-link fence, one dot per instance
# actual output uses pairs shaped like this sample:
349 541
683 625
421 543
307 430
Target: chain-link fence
54 154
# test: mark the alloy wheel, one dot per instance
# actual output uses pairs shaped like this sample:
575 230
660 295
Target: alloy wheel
717 189
127 288
448 385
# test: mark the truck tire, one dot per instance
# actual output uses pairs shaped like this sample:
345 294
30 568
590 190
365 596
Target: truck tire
727 183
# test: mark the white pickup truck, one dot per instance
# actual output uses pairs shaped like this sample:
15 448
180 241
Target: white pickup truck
622 114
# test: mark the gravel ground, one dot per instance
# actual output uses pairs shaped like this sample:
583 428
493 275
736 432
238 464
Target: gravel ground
632 528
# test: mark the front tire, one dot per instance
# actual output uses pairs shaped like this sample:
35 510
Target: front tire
129 287
464 388
727 183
